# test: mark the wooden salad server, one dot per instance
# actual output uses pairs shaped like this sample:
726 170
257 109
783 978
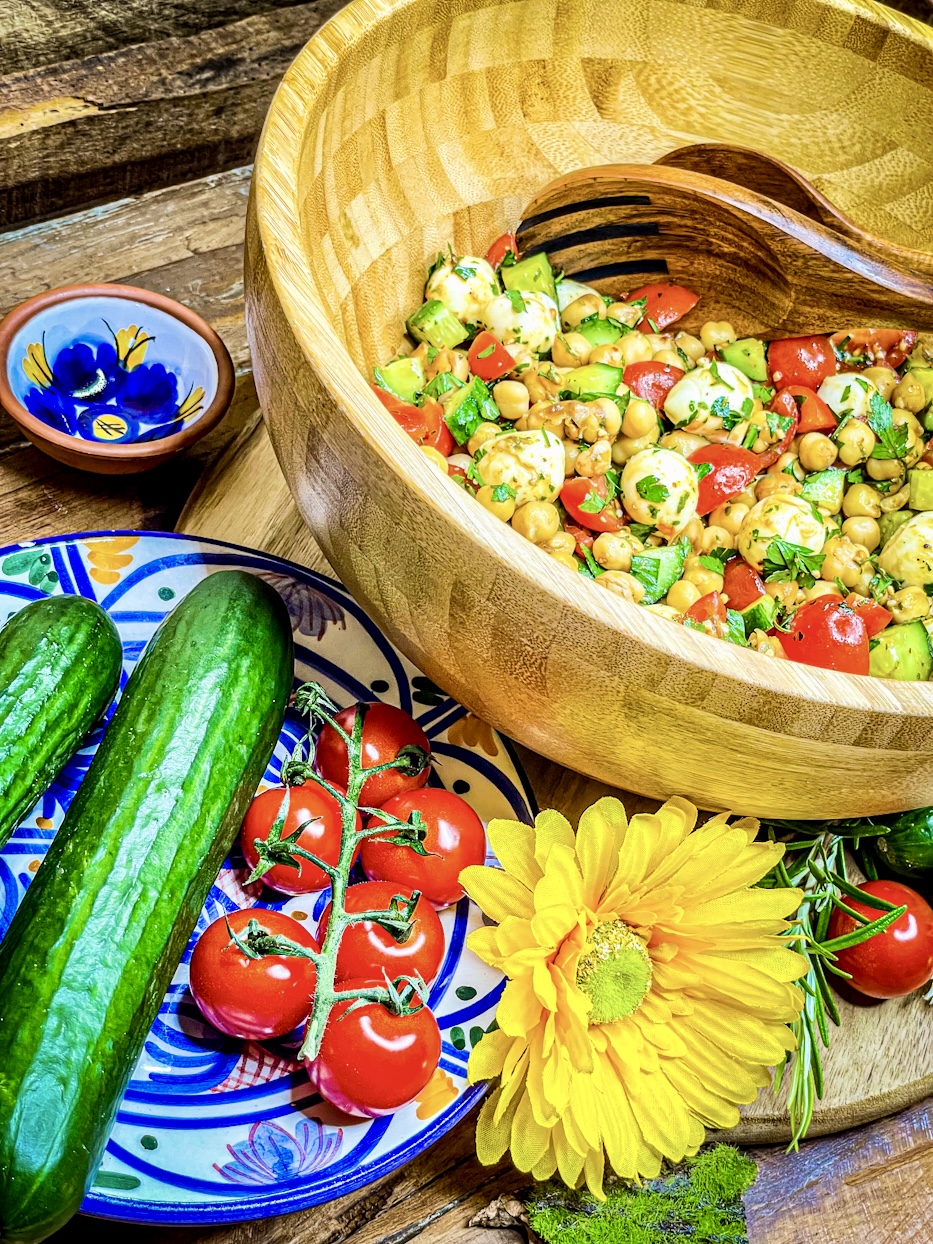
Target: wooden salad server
767 175
767 268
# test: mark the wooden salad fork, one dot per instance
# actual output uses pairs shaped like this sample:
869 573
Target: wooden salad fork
767 268
767 175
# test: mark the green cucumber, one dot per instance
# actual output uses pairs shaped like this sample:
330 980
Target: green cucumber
598 378
90 952
533 274
601 332
902 651
921 489
439 327
404 377
60 661
748 357
825 488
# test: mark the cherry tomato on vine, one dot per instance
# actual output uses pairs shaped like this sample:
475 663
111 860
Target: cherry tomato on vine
387 733
827 633
733 469
366 949
801 360
373 1061
897 960
664 305
587 502
454 839
311 809
253 999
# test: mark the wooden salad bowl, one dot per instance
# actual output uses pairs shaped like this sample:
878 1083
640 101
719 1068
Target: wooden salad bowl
404 124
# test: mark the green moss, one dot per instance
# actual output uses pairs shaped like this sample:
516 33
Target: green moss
699 1201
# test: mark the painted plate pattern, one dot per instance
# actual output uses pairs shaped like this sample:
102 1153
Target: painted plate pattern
210 1129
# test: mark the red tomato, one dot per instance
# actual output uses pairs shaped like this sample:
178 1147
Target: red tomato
387 732
309 805
875 616
579 491
665 304
733 470
424 424
652 381
872 346
825 632
488 357
708 608
253 999
801 360
500 248
897 960
583 537
442 440
367 948
741 583
814 414
372 1061
455 838
782 404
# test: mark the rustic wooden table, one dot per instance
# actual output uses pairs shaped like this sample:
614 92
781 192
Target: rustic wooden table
125 135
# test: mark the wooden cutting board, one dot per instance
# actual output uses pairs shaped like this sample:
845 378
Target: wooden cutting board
880 1060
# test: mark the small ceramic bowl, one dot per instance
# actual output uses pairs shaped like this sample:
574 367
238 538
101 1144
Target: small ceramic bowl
112 379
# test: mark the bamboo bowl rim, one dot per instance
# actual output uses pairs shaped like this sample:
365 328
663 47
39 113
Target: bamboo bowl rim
278 213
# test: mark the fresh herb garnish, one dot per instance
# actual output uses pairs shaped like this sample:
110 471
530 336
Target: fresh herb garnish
702 469
463 272
716 559
714 372
778 425
878 587
442 383
892 440
735 628
589 566
504 492
593 503
484 354
751 436
784 562
515 298
763 392
641 531
651 489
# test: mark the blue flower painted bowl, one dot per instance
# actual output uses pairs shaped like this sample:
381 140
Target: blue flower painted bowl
112 379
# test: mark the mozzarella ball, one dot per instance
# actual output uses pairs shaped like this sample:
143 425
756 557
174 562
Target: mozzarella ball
847 394
464 286
908 555
525 316
530 462
689 404
779 517
659 487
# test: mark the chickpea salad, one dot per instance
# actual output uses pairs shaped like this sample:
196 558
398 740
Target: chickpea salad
774 494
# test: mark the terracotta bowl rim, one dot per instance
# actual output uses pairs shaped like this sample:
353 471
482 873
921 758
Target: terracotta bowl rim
38 431
277 210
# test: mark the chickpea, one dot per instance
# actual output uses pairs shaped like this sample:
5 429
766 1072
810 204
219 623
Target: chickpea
624 312
670 357
614 550
786 594
501 509
522 357
609 353
598 420
908 394
886 468
861 500
728 516
541 381
640 418
700 577
581 309
694 531
716 538
685 443
539 415
628 446
565 559
692 346
855 440
747 497
909 604
571 350
623 584
664 611
560 542
820 588
682 595
863 587
512 398
484 433
716 333
572 452
767 645
595 460
864 530
537 521
435 457
771 485
454 361
817 452
788 460
843 560
895 500
634 348
885 380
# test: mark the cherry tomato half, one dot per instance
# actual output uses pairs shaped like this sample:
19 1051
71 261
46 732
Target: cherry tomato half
709 608
801 360
664 305
488 357
600 514
814 414
367 948
454 838
741 583
253 999
310 806
875 616
871 346
826 633
897 960
782 404
733 470
652 381
371 1061
583 537
502 246
424 424
387 731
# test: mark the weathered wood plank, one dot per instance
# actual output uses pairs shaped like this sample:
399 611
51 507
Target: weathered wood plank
148 115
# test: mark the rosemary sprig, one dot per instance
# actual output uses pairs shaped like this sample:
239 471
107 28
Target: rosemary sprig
816 863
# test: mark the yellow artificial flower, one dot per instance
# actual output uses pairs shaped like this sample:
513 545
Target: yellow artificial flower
649 987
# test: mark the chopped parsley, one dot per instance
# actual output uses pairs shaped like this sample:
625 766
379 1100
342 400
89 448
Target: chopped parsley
751 436
515 298
879 586
778 425
589 566
438 263
442 383
490 349
714 372
652 325
463 272
593 503
504 492
651 489
641 531
735 628
702 469
716 559
892 441
763 392
784 562
730 418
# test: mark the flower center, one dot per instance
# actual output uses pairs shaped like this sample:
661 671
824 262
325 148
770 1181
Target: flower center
614 972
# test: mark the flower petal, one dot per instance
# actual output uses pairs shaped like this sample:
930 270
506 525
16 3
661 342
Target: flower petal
496 893
514 846
551 828
600 834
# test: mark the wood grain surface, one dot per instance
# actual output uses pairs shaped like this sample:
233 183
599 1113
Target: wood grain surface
376 151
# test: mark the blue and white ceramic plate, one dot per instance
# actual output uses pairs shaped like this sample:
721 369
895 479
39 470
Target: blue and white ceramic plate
213 1130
